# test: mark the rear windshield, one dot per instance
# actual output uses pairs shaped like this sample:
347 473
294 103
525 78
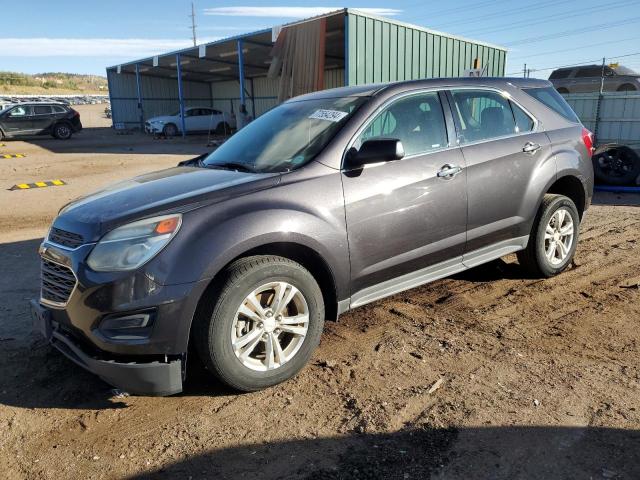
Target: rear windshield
552 99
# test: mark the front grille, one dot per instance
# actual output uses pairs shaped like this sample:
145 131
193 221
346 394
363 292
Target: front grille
58 282
64 238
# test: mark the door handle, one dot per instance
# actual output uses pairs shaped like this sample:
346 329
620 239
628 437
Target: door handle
449 171
530 147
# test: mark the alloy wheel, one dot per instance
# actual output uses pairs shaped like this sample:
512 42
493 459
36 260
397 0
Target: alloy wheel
270 326
558 236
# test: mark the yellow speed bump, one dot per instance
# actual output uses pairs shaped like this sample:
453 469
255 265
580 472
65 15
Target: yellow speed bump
12 155
48 183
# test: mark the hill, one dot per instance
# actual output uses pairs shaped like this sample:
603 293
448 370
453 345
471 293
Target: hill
51 83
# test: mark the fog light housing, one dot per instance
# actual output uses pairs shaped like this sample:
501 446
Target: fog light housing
128 327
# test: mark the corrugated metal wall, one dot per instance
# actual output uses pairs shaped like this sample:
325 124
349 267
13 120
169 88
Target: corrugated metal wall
384 51
159 96
265 92
619 115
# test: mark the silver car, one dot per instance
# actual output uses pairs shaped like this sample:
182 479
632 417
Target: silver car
587 78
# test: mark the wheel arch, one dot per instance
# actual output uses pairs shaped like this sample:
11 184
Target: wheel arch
570 186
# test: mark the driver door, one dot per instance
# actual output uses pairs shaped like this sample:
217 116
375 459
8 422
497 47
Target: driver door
19 120
405 216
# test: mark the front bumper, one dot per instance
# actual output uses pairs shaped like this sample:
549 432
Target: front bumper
152 378
153 128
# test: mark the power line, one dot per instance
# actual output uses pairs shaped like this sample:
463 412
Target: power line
575 64
472 6
568 33
553 18
533 6
541 54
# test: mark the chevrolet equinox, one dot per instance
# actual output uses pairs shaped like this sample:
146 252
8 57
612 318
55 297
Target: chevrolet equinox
325 203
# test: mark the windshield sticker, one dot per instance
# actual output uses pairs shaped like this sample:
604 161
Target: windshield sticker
331 115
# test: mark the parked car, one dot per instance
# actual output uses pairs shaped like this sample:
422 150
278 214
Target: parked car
330 201
196 119
38 118
586 78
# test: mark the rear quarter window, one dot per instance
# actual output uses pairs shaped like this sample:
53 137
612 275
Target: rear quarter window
552 99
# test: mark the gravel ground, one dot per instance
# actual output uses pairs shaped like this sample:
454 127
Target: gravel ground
488 374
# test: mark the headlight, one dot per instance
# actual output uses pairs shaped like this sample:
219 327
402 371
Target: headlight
131 246
157 122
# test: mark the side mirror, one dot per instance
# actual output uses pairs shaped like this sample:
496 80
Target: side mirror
376 150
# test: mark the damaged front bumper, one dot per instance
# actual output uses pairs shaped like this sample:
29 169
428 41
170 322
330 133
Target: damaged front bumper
158 378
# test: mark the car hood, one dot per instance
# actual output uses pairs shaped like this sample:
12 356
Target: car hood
176 189
162 118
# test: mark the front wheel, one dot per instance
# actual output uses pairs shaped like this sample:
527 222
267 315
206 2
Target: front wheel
170 130
263 323
553 238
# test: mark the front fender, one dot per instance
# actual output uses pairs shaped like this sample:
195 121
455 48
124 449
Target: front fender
307 213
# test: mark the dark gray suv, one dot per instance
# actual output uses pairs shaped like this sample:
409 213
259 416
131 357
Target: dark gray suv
327 202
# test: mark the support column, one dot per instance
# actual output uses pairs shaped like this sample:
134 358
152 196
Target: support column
241 71
139 91
180 95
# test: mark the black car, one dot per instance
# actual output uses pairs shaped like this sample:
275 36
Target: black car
26 119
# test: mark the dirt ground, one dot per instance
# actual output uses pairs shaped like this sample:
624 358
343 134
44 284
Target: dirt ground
486 375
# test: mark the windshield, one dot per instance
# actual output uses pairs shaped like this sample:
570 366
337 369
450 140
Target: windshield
287 136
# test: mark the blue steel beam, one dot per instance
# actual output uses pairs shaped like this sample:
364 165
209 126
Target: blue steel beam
241 71
139 92
180 95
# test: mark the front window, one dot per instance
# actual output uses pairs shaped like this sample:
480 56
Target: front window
417 121
286 137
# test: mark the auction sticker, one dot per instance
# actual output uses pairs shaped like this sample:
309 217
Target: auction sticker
331 115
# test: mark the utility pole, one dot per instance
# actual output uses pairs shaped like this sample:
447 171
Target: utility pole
193 24
524 71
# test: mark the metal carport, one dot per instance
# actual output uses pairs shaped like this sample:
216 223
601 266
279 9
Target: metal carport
350 48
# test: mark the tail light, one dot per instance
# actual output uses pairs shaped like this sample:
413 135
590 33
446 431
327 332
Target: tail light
75 112
587 138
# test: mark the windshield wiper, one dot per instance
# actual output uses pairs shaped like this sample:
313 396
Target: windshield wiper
238 167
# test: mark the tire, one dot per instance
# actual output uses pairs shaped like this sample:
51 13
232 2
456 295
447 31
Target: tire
534 258
616 165
223 128
170 130
219 323
626 87
62 131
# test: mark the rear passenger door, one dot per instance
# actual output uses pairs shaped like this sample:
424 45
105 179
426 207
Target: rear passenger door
504 152
43 118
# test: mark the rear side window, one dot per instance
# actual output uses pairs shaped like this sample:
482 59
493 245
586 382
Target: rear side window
558 74
42 110
482 115
552 99
589 72
58 109
524 123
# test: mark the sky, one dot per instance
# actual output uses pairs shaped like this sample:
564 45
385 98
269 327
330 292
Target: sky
85 36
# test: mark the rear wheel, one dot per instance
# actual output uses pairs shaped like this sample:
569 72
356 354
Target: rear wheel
223 128
626 87
553 238
263 324
617 165
170 130
62 131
